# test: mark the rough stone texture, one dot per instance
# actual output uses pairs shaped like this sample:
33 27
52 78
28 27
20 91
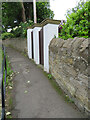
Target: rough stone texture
17 43
68 60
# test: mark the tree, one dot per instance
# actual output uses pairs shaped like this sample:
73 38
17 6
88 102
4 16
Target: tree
77 23
23 12
28 10
11 16
74 10
43 11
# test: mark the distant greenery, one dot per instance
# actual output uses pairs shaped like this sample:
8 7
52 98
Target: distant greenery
21 30
18 31
7 35
13 13
77 22
19 15
43 11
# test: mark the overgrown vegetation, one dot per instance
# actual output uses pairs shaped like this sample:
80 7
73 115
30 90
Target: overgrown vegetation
9 86
13 13
19 15
18 31
21 30
77 24
7 35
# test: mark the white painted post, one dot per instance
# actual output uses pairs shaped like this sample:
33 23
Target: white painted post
36 43
49 32
34 9
29 43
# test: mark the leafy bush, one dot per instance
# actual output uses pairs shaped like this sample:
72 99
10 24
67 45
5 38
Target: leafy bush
21 30
7 35
49 76
77 23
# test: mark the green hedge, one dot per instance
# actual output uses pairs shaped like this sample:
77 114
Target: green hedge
7 35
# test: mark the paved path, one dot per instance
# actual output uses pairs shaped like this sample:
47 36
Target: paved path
37 99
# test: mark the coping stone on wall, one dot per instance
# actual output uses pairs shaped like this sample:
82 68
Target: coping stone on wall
44 22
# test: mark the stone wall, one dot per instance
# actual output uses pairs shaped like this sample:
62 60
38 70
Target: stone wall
17 43
68 60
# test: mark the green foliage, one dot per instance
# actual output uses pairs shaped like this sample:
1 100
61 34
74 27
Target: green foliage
79 6
9 71
7 35
77 23
12 13
21 30
43 11
49 76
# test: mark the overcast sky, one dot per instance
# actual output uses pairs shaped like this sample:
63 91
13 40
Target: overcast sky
60 7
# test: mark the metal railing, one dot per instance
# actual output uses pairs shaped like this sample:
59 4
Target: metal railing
3 84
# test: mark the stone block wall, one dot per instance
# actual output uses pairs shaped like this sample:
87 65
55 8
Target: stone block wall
17 43
68 60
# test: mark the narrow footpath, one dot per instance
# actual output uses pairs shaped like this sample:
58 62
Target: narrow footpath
34 96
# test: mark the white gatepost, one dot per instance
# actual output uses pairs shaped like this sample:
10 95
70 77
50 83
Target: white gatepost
36 30
50 30
29 43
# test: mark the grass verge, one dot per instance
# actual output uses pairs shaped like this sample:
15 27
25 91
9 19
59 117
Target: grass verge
9 86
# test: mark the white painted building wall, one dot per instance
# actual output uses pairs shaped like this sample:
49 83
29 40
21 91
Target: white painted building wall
36 44
29 43
49 32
